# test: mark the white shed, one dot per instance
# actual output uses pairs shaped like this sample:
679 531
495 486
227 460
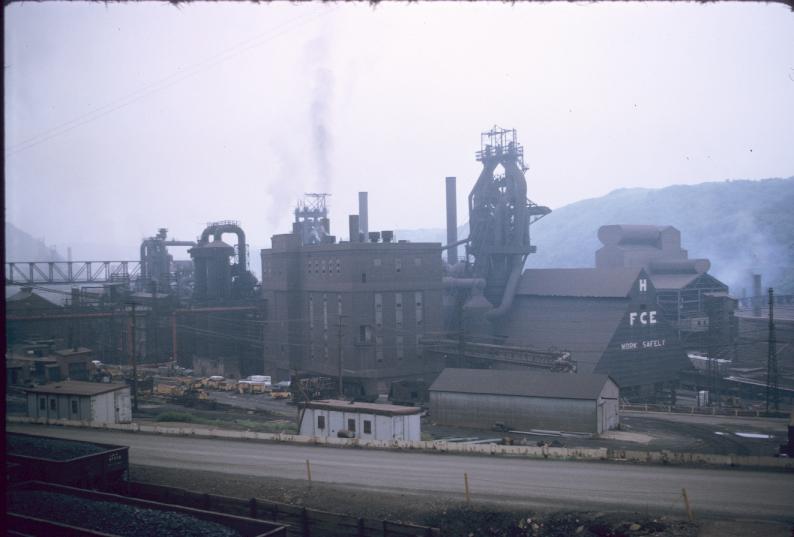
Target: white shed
81 401
369 421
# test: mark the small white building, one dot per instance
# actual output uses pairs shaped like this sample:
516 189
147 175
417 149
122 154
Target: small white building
368 421
81 401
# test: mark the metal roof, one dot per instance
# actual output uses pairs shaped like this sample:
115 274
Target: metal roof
27 294
583 326
673 281
521 383
579 282
669 281
364 408
76 387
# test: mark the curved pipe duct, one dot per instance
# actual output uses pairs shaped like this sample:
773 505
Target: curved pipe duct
144 244
510 290
217 231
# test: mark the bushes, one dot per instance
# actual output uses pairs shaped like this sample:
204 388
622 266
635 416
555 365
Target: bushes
175 416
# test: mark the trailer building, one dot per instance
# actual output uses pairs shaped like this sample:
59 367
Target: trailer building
368 421
97 402
524 400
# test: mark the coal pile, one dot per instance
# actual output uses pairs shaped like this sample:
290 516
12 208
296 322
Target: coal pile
114 518
49 448
464 522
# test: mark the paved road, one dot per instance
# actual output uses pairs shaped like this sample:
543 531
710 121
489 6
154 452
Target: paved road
541 483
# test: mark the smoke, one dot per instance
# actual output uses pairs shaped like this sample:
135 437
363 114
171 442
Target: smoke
322 136
321 111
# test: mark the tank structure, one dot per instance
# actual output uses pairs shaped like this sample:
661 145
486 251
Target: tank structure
212 271
156 262
215 278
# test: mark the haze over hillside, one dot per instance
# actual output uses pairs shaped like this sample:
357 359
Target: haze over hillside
21 246
741 226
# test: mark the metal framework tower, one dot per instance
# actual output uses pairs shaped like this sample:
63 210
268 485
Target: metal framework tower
499 217
311 218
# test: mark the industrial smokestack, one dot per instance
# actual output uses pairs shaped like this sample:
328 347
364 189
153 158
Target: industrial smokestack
363 213
354 228
452 221
757 295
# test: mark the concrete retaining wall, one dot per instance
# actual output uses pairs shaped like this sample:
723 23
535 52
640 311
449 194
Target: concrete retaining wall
440 446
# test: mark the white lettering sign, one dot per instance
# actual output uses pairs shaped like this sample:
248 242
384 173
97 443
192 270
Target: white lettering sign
643 285
649 344
645 317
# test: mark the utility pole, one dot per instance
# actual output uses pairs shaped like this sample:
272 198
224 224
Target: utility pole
339 334
154 323
134 364
771 360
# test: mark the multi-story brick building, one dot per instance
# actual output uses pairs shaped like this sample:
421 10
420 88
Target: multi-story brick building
366 304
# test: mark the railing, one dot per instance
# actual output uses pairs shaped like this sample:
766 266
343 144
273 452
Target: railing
747 303
64 272
702 411
301 521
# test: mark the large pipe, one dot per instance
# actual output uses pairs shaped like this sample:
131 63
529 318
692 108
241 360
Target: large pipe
510 289
614 234
363 213
463 283
144 271
452 221
679 266
354 228
217 231
455 244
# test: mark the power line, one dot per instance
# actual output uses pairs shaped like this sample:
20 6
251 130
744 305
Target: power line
163 83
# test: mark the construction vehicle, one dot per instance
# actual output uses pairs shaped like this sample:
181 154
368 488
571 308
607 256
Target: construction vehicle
313 388
280 393
172 386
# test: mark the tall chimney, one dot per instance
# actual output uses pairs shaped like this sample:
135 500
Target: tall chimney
354 228
757 295
363 213
452 221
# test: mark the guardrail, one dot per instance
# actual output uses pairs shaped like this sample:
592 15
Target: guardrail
441 446
703 411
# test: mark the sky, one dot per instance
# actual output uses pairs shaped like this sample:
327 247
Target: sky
122 118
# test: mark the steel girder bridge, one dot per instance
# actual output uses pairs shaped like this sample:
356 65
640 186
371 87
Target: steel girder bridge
68 272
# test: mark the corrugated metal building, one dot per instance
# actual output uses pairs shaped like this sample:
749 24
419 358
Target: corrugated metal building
608 319
695 303
524 400
369 421
81 401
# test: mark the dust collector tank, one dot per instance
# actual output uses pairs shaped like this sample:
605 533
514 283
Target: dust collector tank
213 273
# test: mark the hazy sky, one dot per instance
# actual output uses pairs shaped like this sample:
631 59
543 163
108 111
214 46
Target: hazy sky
122 118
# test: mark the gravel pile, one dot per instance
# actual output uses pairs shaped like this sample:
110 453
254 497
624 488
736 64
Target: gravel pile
109 517
49 448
